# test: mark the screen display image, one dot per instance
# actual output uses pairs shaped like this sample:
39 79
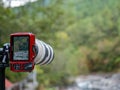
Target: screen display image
21 48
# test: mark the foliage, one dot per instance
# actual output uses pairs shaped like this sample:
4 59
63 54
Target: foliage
84 34
15 77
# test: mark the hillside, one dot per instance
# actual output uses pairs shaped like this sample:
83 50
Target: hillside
84 34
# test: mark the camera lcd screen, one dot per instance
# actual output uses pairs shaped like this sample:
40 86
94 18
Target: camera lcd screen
21 48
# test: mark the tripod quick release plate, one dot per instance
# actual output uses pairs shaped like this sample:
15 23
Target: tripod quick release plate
4 55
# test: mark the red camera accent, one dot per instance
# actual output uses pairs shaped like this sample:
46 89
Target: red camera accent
22 52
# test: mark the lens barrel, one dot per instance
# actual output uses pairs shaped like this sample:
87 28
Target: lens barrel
44 53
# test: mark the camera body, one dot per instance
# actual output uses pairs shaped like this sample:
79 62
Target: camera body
21 52
27 51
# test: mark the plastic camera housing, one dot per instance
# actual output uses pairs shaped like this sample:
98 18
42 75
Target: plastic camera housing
26 51
21 52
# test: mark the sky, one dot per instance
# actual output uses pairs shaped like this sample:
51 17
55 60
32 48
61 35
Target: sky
16 3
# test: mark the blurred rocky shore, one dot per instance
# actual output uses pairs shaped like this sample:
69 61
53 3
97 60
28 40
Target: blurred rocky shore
96 82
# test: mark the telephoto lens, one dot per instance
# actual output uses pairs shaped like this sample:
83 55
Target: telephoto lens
44 53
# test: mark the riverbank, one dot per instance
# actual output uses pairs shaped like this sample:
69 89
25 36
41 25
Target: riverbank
96 82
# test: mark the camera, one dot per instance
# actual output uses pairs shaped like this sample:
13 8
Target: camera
27 51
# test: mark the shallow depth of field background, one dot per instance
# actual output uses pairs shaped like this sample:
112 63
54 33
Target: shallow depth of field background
85 35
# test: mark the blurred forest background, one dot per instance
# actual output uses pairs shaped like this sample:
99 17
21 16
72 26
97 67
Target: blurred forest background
85 35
